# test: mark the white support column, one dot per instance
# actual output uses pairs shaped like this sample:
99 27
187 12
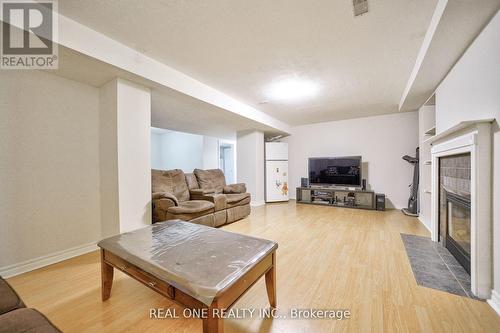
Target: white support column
250 163
125 163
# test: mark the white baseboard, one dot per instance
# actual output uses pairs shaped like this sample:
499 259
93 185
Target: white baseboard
49 259
424 224
494 301
257 203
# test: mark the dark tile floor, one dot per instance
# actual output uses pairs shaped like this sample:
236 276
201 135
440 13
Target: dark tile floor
434 267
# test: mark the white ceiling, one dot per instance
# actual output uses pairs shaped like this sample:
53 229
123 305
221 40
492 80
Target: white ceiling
240 47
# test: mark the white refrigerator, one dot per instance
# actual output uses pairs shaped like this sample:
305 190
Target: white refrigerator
276 171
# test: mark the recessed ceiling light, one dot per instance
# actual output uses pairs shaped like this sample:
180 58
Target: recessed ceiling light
291 90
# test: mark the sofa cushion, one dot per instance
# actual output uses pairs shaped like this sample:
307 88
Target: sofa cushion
26 321
210 179
190 210
219 200
239 199
191 181
191 207
171 181
9 300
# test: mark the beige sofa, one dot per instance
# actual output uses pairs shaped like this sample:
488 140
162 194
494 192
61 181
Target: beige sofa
213 183
191 197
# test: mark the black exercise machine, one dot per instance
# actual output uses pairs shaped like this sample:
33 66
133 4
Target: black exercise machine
412 209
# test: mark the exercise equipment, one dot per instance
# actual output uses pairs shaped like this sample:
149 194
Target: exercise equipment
412 209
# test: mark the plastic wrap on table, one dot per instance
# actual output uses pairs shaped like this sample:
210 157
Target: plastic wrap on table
199 260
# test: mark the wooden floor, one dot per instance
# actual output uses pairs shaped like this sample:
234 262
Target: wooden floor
327 258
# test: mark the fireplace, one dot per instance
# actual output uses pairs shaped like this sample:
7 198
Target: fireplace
461 198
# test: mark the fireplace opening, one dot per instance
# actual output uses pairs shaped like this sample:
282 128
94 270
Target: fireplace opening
458 228
455 207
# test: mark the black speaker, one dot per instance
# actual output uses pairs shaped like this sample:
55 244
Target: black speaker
364 184
304 182
380 201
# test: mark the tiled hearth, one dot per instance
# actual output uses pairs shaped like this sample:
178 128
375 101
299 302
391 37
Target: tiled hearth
434 267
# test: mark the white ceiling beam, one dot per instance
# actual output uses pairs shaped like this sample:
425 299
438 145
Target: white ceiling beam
453 27
82 39
429 35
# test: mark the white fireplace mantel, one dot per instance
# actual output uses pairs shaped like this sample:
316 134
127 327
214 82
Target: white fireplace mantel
472 137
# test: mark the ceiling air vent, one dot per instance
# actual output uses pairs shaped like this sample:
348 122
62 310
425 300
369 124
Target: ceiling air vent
360 7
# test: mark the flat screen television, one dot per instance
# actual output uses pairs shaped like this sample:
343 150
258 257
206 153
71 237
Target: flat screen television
335 171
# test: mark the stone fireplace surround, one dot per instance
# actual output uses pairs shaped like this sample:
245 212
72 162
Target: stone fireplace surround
473 137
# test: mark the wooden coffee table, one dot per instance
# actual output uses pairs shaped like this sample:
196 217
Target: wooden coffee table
196 266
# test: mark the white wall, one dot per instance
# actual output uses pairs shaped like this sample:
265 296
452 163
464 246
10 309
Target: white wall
472 91
380 140
210 152
250 163
49 165
182 151
426 120
72 156
156 151
176 150
185 151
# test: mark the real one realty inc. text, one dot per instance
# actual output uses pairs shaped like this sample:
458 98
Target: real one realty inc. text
243 313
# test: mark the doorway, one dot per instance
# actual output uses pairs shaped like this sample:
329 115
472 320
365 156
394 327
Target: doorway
227 161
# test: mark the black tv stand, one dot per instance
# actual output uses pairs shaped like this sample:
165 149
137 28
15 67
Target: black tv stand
336 196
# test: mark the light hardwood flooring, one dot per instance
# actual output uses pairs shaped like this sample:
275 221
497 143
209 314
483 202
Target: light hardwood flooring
327 258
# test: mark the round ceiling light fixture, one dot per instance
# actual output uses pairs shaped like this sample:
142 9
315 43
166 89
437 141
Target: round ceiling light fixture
291 90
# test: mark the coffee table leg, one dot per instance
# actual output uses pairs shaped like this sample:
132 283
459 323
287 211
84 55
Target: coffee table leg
213 323
106 278
271 283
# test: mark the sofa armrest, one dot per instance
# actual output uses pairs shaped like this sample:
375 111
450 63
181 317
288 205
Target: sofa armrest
165 195
219 200
163 204
235 188
9 299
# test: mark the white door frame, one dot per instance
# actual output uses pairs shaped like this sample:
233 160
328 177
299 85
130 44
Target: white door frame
233 143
